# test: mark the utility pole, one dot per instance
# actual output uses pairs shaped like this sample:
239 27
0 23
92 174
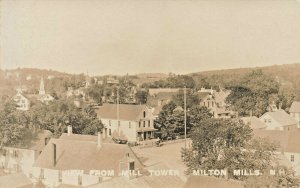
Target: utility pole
185 117
118 111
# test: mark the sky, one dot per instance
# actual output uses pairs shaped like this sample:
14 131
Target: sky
139 36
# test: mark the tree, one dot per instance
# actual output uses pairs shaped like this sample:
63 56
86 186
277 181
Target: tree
253 93
191 98
141 96
228 144
171 119
61 113
14 129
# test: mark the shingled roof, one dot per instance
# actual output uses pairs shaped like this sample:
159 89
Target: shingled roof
126 111
281 117
295 107
84 155
213 182
254 122
287 140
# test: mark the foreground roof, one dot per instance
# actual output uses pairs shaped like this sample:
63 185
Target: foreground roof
126 111
287 140
295 107
15 181
84 155
211 182
254 122
282 117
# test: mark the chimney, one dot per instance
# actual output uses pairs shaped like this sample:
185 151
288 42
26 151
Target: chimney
69 130
53 154
99 140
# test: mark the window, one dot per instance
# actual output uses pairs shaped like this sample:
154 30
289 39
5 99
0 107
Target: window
109 132
42 173
149 123
129 124
144 114
144 123
60 176
109 122
131 165
139 124
79 180
292 158
15 154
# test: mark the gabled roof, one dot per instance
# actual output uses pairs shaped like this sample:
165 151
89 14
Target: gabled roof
281 117
202 95
39 143
154 91
211 182
15 181
84 155
295 107
126 111
144 181
82 137
287 140
254 122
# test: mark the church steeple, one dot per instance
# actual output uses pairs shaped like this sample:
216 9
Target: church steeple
42 87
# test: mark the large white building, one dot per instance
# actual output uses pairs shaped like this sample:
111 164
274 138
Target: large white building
127 122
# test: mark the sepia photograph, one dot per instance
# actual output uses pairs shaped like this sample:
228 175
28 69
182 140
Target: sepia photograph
149 94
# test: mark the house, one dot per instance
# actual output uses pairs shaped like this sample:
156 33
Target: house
80 92
295 112
278 120
21 101
21 159
127 122
111 80
82 161
215 101
254 122
288 142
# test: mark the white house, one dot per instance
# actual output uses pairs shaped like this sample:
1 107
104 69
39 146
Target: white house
21 101
295 112
21 159
128 122
278 120
82 160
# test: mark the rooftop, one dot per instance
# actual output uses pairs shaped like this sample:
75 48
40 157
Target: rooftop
281 117
84 155
126 111
213 182
287 140
295 107
15 181
254 122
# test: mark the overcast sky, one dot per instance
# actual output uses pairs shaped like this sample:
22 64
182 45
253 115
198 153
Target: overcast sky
136 36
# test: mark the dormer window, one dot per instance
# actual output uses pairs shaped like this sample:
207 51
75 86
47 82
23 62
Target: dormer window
144 114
